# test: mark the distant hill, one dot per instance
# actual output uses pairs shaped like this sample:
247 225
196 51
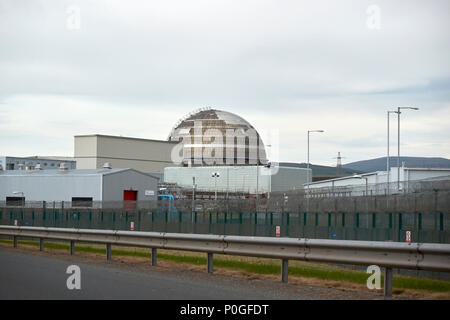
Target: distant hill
318 170
379 164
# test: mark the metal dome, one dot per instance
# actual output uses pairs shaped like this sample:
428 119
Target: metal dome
216 137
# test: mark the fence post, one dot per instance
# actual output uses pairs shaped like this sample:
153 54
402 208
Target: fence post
388 282
210 262
41 244
154 257
284 270
15 241
72 247
108 251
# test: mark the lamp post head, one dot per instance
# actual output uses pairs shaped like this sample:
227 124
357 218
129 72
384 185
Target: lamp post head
315 131
411 108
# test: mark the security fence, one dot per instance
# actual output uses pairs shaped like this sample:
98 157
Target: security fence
251 217
425 215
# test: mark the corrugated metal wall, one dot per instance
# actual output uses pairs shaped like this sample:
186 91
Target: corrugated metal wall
237 178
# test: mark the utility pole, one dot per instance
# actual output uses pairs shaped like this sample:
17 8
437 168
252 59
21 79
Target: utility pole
339 164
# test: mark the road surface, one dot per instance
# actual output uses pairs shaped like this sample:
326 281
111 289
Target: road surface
34 275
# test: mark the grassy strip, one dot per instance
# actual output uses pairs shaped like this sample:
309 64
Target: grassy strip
310 271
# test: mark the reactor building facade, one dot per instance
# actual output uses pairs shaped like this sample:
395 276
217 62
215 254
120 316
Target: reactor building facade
219 151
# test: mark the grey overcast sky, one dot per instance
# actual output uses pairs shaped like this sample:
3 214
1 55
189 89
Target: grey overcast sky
133 68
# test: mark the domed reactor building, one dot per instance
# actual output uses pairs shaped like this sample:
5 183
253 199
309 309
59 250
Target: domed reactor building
215 138
220 154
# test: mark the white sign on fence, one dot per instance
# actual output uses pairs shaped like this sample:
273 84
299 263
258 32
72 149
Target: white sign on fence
408 236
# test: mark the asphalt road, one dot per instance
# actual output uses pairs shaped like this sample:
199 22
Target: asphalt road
25 275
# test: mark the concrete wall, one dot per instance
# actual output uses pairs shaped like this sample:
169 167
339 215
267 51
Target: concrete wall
150 156
114 185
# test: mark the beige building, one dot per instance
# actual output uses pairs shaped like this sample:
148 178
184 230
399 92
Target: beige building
149 156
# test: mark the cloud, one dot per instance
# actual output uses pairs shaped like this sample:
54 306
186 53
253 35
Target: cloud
134 68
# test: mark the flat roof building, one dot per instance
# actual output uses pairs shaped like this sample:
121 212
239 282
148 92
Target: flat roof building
145 155
376 183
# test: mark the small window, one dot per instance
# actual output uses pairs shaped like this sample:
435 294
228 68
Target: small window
52 164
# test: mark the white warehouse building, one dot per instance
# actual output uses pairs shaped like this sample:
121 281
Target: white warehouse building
238 179
376 183
77 185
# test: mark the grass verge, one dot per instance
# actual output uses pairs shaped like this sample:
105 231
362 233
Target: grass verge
300 269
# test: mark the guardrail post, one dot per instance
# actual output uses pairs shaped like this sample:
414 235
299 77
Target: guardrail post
15 241
388 282
41 244
210 262
72 247
284 270
108 251
154 257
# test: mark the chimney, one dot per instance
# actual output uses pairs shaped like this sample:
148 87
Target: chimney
107 165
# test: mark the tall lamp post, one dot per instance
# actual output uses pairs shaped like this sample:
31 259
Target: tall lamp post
358 176
309 131
398 141
307 198
388 166
215 175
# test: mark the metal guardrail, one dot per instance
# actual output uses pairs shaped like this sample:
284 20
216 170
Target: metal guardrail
418 256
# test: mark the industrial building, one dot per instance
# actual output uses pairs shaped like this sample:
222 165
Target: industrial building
215 137
222 152
376 183
237 179
205 140
68 185
30 163
149 156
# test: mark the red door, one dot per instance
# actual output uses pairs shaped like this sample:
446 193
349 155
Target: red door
129 195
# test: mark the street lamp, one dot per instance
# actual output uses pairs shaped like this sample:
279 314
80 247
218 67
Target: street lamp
215 175
398 141
308 156
388 167
307 173
358 176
